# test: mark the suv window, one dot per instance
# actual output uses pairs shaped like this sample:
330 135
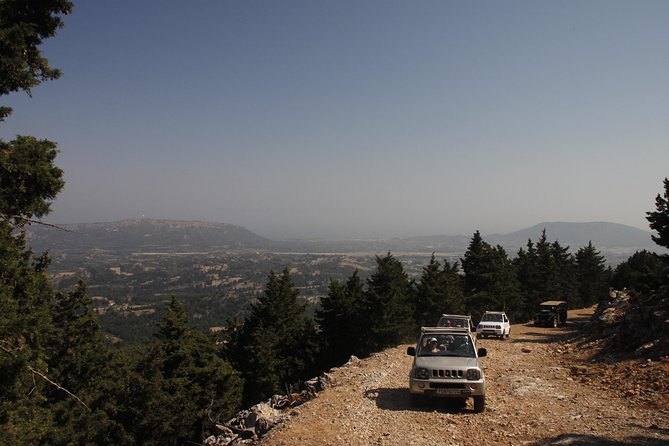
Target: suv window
446 345
491 318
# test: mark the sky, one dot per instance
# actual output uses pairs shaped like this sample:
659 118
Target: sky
357 119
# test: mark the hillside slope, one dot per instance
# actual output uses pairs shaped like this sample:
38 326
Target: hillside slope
542 390
145 235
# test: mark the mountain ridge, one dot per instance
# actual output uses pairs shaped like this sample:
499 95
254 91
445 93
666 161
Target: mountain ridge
195 235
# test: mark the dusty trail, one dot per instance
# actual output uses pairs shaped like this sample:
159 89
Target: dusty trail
541 391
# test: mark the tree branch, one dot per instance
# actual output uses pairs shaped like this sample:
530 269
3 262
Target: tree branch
59 387
24 220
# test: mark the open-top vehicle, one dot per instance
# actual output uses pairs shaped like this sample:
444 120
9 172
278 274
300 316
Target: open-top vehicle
446 365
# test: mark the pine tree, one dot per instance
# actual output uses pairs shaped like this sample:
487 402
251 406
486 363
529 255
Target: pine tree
337 321
28 182
276 347
23 27
659 220
642 272
195 378
438 291
545 272
387 307
566 270
491 282
591 276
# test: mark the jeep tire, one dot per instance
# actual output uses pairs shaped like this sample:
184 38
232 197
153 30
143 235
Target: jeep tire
479 403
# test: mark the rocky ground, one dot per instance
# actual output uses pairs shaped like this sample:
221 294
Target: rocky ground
545 387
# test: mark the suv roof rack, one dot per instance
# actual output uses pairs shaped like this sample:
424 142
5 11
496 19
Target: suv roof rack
444 330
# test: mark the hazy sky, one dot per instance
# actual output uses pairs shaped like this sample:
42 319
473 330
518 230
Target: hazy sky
357 118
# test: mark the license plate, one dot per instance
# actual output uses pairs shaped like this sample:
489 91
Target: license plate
448 391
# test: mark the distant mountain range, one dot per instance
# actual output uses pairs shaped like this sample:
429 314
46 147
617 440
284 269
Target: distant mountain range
146 235
613 240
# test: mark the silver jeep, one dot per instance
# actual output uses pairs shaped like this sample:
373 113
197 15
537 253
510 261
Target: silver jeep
446 364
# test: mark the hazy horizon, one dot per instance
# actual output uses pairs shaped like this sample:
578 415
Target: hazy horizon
366 119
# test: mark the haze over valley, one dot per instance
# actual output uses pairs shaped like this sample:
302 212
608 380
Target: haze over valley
133 267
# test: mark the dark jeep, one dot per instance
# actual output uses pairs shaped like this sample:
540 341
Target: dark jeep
551 313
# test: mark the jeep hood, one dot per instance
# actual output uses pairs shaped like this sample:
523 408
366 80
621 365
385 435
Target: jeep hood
445 362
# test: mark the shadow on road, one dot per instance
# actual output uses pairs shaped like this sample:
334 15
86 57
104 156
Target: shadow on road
593 440
398 399
541 335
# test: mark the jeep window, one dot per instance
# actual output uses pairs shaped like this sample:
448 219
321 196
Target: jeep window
453 322
492 318
446 345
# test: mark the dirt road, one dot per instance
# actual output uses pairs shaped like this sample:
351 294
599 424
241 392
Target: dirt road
541 390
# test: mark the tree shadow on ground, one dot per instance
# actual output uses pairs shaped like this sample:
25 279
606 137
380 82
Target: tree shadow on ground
593 440
572 329
398 399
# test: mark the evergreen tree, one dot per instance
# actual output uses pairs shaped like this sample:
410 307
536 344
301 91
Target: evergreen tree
28 182
23 27
338 323
659 219
546 271
276 346
529 279
491 283
195 379
386 308
566 271
475 265
25 324
438 291
642 272
591 276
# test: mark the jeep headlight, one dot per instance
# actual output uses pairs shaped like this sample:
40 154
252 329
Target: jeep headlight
499 327
473 374
421 373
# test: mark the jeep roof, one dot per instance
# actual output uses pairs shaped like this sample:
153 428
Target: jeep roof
453 317
441 330
553 303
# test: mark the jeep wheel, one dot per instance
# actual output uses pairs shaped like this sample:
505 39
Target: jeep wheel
479 403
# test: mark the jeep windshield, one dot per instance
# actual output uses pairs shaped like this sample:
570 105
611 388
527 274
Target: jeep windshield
491 318
446 345
450 321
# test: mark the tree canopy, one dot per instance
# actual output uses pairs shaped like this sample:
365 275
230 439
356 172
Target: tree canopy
659 219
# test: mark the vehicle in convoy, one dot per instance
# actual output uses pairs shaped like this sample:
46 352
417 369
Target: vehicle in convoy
446 365
551 313
456 321
494 323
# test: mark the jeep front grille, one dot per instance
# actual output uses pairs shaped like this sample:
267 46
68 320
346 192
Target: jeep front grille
435 385
447 374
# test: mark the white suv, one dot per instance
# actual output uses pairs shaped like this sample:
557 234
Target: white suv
494 323
446 364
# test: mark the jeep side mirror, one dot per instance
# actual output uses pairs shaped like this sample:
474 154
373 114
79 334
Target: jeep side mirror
482 352
411 351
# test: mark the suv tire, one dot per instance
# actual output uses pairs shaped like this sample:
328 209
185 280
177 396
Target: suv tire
479 403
